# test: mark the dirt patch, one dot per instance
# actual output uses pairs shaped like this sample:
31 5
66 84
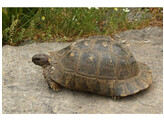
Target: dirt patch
26 91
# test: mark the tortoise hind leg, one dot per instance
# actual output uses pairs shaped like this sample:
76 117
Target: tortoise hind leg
115 97
52 84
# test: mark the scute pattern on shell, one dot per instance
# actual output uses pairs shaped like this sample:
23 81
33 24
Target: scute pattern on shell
100 58
99 65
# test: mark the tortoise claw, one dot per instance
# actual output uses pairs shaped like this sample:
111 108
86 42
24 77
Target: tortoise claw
115 97
55 87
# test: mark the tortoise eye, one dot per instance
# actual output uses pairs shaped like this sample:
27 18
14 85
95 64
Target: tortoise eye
38 59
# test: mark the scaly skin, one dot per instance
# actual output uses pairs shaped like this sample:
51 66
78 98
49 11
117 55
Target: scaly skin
56 87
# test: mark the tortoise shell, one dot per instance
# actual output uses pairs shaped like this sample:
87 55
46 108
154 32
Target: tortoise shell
99 65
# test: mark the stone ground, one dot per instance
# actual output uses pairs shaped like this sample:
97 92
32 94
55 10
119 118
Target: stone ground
26 91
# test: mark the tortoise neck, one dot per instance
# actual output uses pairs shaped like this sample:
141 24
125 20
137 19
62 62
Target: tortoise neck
45 65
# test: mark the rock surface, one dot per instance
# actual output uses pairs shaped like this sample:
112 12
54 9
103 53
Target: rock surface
136 15
26 91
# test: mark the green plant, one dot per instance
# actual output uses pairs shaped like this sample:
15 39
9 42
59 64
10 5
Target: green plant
10 33
7 16
66 24
15 21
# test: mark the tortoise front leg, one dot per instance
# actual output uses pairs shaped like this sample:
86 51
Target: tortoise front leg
53 85
56 87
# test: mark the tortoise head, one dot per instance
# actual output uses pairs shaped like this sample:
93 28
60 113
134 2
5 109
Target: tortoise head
41 60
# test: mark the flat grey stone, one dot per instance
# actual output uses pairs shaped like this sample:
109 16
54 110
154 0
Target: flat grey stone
24 89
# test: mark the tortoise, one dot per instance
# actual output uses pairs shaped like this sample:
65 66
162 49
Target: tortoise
96 64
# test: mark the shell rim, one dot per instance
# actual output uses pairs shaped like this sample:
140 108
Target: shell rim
143 69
